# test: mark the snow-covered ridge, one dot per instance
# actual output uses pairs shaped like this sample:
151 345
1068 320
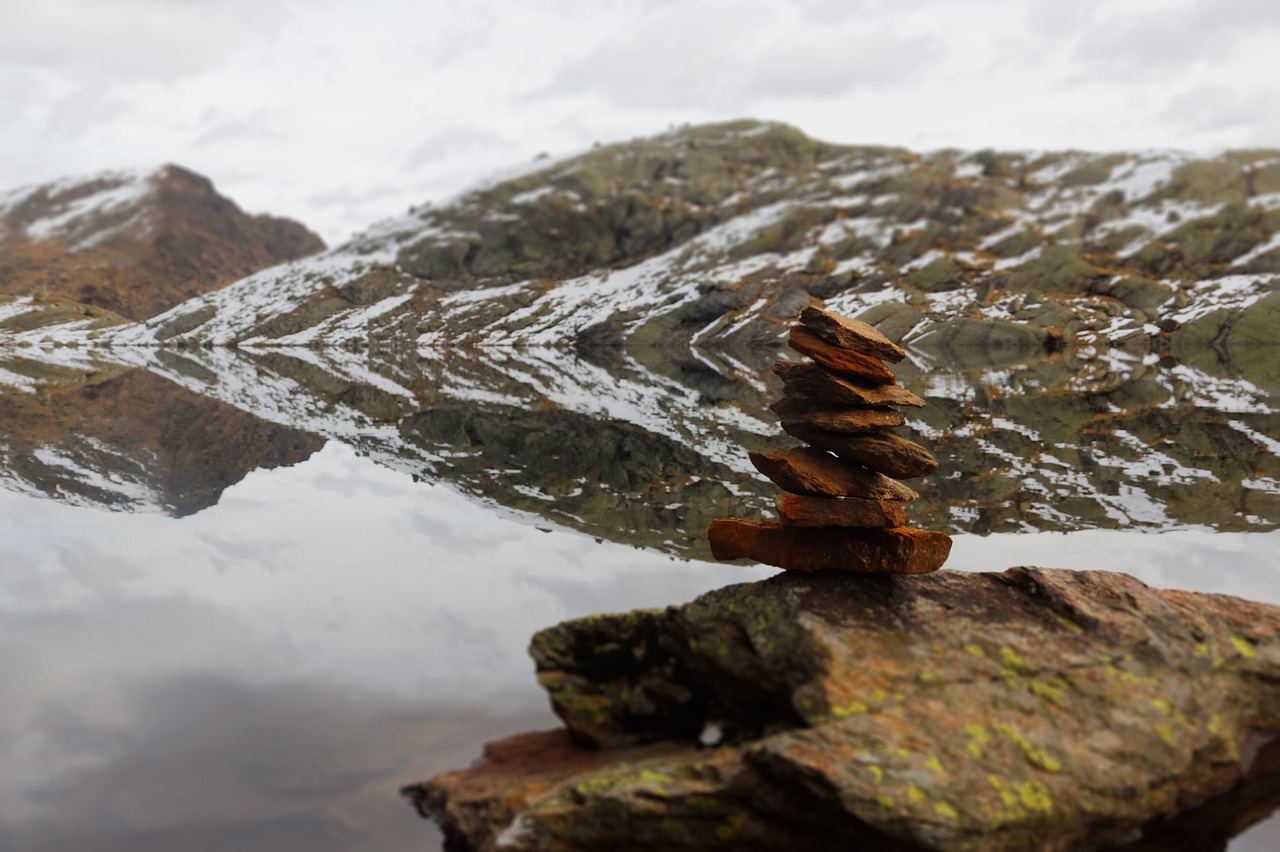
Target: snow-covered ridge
81 212
833 223
1115 263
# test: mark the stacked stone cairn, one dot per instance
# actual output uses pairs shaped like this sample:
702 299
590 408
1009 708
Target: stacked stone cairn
843 506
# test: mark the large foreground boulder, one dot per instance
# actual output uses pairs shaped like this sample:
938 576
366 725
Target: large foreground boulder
1034 709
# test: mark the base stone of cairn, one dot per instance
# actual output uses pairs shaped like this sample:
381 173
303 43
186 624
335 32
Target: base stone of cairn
843 507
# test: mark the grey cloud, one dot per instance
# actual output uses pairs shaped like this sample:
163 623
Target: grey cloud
1165 39
138 39
1216 108
443 145
219 128
720 58
832 64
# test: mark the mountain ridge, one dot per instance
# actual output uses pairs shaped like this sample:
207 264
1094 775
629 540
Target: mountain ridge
135 243
717 236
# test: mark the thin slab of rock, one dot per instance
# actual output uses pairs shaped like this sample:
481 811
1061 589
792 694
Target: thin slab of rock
817 473
810 381
1032 709
848 333
799 511
836 418
898 550
855 364
890 454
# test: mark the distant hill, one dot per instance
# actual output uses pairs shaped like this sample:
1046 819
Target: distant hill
1095 333
715 237
135 243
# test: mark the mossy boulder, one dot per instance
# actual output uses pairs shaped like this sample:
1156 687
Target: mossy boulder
1057 269
893 319
1141 293
950 711
1220 238
937 276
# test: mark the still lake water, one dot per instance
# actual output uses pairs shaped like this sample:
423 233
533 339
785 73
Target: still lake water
205 644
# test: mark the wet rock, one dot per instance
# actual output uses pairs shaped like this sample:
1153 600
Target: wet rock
813 472
848 333
857 365
885 452
837 418
799 511
1033 709
810 381
899 550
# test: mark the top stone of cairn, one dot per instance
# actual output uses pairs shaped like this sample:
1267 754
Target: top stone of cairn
851 334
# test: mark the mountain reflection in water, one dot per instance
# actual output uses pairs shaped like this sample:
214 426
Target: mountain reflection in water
322 625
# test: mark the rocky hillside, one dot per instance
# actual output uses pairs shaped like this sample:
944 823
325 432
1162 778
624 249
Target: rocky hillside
1094 333
710 238
133 244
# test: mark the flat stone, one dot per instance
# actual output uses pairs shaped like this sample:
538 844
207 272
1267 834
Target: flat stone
885 452
849 333
799 511
855 364
837 418
898 550
811 381
817 473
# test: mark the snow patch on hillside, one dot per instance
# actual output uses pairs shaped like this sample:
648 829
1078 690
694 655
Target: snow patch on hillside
82 211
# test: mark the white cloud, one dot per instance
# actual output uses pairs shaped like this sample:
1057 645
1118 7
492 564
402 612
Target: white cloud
157 39
340 114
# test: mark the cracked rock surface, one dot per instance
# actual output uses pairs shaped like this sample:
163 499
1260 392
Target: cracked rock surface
1032 709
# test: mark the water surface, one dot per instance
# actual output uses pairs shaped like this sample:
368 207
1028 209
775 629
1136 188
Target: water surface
244 599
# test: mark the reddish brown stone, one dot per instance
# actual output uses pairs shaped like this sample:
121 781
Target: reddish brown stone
899 550
798 511
837 418
805 470
886 452
848 333
810 381
846 361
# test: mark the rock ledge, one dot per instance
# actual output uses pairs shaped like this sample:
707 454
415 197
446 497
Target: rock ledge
1034 709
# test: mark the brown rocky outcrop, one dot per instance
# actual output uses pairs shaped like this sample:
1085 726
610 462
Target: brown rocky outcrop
136 244
1029 710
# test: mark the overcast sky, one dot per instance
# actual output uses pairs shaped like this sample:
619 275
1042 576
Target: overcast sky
343 113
